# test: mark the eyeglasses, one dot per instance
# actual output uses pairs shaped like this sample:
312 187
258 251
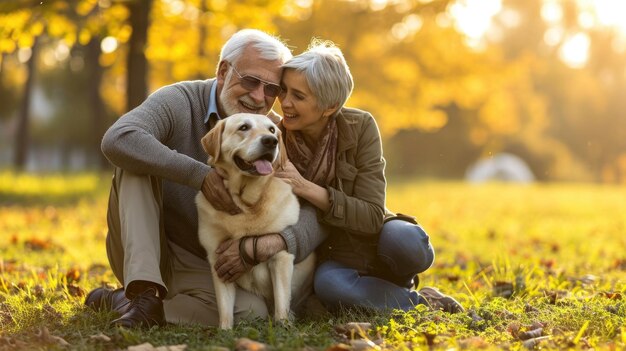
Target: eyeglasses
251 82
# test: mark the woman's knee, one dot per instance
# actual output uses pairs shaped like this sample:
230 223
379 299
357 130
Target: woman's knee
405 247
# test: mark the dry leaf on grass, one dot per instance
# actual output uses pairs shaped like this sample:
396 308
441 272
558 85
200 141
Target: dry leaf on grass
245 344
338 347
46 337
148 347
532 343
354 329
473 343
100 337
13 344
530 334
363 345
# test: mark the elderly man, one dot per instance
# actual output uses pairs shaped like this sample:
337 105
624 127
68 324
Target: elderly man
152 244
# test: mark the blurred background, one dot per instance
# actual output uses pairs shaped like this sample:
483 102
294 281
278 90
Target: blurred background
461 89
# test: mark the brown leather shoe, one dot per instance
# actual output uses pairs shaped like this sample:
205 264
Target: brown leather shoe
439 301
144 311
103 299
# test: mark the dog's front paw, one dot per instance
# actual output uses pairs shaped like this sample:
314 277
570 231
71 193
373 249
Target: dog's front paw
226 324
285 319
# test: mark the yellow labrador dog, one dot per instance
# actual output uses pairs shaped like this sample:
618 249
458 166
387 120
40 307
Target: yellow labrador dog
247 148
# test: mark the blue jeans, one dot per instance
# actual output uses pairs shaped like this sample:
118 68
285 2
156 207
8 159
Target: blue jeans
403 248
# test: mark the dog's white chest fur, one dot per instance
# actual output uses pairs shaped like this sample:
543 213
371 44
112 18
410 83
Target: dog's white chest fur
215 227
264 217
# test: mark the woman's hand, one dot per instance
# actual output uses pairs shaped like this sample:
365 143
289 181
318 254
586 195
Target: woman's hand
303 188
291 176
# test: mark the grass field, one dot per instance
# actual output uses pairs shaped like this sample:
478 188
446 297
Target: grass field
536 266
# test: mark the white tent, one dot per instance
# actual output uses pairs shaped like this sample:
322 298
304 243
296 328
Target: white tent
501 167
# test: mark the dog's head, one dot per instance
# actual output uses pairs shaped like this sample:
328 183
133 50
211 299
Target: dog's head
248 142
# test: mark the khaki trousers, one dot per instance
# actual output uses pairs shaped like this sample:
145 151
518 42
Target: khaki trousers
138 250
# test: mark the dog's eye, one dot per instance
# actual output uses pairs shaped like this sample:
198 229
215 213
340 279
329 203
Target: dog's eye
244 127
272 130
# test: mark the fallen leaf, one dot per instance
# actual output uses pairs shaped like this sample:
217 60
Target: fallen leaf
38 290
245 344
45 336
532 343
216 348
100 337
530 334
15 343
548 263
528 308
503 289
181 347
473 343
477 322
611 295
36 244
338 347
555 295
514 328
430 339
148 347
363 345
354 329
75 290
72 275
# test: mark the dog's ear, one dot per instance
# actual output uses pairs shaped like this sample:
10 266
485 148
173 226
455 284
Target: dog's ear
282 152
212 141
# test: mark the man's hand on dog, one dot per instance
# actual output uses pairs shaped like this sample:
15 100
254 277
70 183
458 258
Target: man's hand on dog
230 265
216 193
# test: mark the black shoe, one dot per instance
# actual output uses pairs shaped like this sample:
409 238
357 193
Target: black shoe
439 301
144 311
103 299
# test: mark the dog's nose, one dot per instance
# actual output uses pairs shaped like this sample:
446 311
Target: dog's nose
269 141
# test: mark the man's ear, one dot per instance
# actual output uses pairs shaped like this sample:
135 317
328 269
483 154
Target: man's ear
222 71
212 141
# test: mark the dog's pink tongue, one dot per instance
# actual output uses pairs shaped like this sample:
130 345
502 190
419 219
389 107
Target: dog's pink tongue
263 167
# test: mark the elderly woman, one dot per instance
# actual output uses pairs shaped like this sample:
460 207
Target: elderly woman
371 256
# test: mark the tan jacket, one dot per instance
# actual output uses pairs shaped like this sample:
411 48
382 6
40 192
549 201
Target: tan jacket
357 194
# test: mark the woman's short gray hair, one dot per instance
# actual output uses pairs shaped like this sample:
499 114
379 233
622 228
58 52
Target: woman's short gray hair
326 72
270 47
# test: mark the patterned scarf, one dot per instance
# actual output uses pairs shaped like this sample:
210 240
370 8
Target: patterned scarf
317 166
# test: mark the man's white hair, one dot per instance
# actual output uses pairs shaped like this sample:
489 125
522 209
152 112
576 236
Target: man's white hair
326 72
270 47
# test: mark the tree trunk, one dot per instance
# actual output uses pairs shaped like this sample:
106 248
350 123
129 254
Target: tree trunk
137 68
98 112
202 29
22 137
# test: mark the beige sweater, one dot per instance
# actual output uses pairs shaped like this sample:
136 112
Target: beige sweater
161 137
